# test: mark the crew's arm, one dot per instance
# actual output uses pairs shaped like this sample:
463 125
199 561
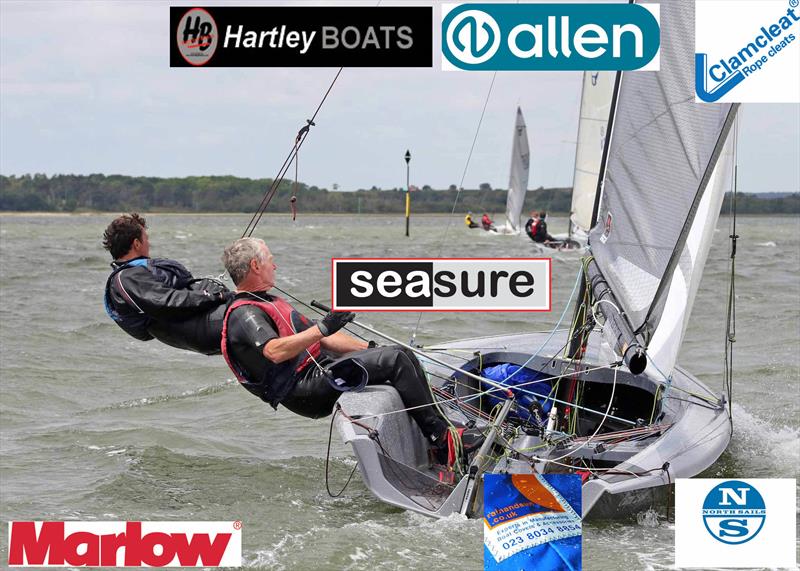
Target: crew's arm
157 300
282 349
342 343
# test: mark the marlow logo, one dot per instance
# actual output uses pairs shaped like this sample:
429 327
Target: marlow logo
734 512
129 544
197 36
549 36
715 80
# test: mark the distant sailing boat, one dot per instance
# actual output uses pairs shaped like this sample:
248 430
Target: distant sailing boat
606 400
518 180
598 88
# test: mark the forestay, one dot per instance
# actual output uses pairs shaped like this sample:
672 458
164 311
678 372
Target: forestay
595 106
655 219
520 170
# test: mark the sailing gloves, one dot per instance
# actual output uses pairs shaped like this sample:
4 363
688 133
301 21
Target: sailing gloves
333 322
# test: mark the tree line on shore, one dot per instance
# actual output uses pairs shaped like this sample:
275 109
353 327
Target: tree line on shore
118 193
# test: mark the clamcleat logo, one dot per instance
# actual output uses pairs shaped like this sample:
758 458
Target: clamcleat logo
734 512
549 36
754 57
197 36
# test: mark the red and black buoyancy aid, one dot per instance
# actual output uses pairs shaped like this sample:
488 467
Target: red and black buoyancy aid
288 321
534 227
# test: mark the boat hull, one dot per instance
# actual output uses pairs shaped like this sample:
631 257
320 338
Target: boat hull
394 462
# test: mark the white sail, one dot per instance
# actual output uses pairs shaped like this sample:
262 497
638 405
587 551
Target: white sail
595 107
662 151
520 171
663 349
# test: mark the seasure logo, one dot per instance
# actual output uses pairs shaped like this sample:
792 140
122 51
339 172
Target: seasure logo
765 45
734 512
440 284
128 544
550 37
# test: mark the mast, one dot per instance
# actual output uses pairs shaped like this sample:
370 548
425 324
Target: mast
604 161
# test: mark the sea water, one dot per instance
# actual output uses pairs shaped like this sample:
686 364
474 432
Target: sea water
95 425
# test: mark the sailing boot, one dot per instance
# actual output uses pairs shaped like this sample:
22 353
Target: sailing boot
444 448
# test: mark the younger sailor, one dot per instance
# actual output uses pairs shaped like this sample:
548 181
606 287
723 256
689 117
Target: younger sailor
539 232
469 222
532 224
284 358
157 298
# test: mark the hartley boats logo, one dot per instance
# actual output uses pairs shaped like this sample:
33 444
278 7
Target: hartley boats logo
550 36
753 57
125 544
197 36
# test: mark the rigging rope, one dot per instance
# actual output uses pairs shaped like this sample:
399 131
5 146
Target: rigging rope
298 143
328 456
460 188
730 326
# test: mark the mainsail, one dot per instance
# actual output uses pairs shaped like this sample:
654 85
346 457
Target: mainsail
595 107
658 208
520 170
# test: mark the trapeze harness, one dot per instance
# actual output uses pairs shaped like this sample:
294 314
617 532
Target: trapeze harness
288 321
136 324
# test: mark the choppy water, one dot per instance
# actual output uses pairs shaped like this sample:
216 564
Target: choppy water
96 425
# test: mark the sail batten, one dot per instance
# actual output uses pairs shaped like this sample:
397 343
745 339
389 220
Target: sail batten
661 156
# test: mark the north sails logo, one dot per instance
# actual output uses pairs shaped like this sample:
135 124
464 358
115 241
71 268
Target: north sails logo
712 82
129 544
734 512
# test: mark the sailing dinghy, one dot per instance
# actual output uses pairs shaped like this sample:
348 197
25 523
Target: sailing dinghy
598 87
520 172
604 400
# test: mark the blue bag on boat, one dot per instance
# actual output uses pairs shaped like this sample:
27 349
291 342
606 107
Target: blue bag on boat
513 376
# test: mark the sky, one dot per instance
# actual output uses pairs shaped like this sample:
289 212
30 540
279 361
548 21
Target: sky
86 87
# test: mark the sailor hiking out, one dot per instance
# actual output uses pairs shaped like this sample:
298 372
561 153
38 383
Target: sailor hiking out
284 358
157 298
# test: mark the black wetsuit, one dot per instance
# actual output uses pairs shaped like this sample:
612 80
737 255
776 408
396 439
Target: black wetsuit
187 318
541 233
529 227
313 396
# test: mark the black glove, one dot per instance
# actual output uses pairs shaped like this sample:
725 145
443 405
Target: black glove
333 322
227 296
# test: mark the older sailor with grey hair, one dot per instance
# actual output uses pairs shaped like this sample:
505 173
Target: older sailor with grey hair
284 358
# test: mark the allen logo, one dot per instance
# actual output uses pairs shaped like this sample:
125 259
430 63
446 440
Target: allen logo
554 37
734 512
475 37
